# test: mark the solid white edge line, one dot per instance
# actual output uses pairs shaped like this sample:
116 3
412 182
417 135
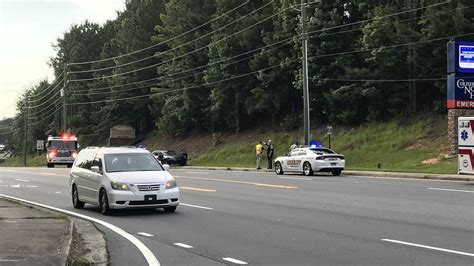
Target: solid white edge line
428 247
235 261
183 245
451 190
144 234
196 206
149 256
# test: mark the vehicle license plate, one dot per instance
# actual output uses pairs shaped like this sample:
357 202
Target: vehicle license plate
150 197
333 164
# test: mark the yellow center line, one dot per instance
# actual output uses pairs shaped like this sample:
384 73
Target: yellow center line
238 182
197 189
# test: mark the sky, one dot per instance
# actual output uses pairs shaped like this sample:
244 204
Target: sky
28 30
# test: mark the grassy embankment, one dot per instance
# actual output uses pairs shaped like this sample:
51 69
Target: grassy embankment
31 161
416 145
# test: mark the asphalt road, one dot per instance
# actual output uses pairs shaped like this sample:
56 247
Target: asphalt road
264 219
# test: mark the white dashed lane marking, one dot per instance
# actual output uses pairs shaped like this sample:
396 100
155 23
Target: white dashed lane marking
144 234
183 245
196 206
451 190
429 247
22 180
198 173
31 186
235 261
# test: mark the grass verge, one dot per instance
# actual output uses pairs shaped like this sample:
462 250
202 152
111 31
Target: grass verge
415 145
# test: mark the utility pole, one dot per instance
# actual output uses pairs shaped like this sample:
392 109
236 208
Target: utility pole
304 38
63 94
25 130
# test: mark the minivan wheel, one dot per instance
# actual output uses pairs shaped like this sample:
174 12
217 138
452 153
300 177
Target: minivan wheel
170 208
104 203
278 168
75 198
307 170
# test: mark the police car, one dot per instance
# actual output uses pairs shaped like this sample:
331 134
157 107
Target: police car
309 160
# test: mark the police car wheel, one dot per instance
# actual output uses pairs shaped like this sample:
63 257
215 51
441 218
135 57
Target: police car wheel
278 168
336 172
307 170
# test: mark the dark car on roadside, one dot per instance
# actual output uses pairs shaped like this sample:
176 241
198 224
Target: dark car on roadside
172 156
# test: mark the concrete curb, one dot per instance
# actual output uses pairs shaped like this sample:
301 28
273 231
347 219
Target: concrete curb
353 173
94 247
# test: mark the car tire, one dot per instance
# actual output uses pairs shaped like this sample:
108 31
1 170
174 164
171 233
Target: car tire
104 203
182 163
69 165
75 198
336 172
170 208
50 165
278 168
307 170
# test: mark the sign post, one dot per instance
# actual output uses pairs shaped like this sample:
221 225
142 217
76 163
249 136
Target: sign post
329 129
40 146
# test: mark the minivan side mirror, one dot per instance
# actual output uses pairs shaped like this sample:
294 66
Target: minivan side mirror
166 166
95 169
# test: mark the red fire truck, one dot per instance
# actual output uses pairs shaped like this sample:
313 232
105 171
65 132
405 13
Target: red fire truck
61 150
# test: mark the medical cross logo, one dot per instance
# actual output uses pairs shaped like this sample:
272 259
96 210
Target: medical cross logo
464 135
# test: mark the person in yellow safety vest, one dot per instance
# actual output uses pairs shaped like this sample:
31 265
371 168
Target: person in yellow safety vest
259 153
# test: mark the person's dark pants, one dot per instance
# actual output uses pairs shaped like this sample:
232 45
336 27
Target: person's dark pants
270 161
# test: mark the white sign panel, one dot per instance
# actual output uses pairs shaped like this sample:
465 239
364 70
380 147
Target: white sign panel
40 144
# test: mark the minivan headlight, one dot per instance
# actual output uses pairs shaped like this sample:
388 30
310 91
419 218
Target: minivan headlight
171 184
119 186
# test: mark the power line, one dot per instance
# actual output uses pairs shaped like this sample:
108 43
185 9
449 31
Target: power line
158 44
226 59
271 67
38 113
46 117
378 80
174 48
382 17
46 102
177 90
180 78
183 55
47 90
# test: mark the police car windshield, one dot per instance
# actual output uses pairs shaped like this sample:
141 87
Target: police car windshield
62 145
322 151
131 162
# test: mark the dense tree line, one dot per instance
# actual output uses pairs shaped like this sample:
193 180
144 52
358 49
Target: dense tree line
172 66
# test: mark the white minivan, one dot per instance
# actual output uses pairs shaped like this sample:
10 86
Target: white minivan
118 178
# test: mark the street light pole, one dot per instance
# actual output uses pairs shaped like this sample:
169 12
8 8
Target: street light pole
304 39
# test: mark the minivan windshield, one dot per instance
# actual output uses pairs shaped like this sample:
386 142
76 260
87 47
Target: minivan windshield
131 162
